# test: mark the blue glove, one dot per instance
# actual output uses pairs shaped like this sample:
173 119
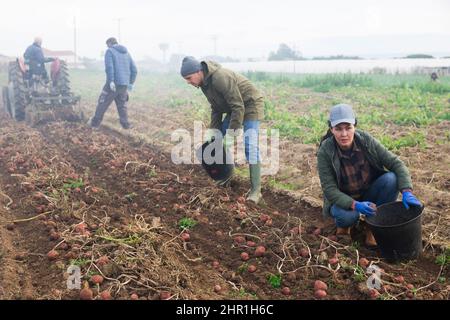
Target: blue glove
409 199
130 87
112 86
365 208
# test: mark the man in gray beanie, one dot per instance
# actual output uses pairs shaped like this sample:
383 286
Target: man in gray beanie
235 96
189 66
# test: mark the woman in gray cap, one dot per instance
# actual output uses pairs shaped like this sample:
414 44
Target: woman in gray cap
357 173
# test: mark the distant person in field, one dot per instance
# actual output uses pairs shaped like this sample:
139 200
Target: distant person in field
34 58
357 173
121 74
434 76
235 97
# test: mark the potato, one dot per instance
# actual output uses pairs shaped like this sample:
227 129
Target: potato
215 264
251 243
399 279
103 260
54 235
217 288
70 255
291 276
373 293
251 268
52 255
332 261
245 256
97 279
94 190
260 251
319 294
86 294
317 232
134 296
185 236
239 239
105 295
286 291
164 295
304 253
81 227
320 285
264 217
363 262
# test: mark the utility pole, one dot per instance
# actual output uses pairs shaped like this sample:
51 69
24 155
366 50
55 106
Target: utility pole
75 40
214 38
119 34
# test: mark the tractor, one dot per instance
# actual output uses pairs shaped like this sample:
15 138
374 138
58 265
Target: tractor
37 99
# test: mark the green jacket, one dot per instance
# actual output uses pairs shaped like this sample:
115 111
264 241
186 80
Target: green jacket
329 166
230 93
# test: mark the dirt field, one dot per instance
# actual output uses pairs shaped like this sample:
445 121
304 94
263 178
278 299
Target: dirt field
112 204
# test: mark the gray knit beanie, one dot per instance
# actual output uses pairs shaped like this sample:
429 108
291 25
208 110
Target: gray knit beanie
189 66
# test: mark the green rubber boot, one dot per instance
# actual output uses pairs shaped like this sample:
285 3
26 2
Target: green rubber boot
255 178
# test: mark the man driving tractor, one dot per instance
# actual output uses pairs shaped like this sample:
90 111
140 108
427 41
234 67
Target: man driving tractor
34 58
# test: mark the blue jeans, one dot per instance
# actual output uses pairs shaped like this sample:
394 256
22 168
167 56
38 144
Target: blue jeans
251 134
383 190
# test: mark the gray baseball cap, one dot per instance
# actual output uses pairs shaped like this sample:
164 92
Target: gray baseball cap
342 113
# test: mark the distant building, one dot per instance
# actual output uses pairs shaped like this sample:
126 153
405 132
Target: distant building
69 56
439 71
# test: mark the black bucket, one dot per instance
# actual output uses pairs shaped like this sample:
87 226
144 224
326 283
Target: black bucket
398 231
217 171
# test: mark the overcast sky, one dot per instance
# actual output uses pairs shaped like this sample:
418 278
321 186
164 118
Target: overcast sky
243 28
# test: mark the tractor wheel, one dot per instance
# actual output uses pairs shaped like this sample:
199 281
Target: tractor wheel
17 92
62 83
6 102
